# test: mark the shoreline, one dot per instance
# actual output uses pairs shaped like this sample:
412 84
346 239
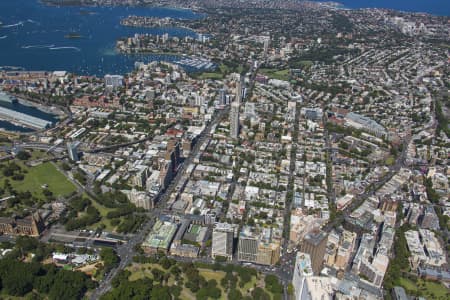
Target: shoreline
46 109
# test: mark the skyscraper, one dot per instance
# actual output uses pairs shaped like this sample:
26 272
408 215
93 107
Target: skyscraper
266 46
234 120
72 149
315 244
258 245
302 270
222 240
239 90
248 245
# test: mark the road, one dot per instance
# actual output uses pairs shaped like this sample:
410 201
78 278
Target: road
287 260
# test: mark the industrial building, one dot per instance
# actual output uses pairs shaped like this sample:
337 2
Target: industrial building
23 119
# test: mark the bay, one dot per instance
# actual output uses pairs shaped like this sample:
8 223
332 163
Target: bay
34 36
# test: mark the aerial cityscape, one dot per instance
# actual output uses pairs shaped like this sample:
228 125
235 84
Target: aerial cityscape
224 149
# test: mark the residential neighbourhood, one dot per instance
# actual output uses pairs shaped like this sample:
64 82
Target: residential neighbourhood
312 158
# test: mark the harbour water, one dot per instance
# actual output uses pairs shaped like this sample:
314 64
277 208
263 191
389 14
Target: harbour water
39 37
435 7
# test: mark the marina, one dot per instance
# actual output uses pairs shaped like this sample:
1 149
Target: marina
196 63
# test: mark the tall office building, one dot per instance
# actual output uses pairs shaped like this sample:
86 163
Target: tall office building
266 46
72 149
248 245
234 120
173 153
258 246
302 270
239 85
222 96
222 240
315 244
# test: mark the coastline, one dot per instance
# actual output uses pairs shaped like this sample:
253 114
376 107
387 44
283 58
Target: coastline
46 109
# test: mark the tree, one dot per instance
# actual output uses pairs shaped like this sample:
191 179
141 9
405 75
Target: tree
18 282
175 270
219 259
234 294
161 293
273 284
69 285
158 275
110 258
260 294
23 155
165 263
26 243
290 289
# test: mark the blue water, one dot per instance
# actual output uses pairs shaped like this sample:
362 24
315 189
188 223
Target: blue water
11 127
32 36
435 7
29 110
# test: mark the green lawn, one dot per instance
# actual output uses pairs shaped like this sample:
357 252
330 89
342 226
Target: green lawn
390 161
210 75
39 175
306 63
139 271
211 274
428 289
223 70
276 74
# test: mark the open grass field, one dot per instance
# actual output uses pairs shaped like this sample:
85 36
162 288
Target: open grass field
139 271
211 75
276 74
427 289
220 72
210 274
42 174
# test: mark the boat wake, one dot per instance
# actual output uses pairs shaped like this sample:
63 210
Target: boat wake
37 46
21 23
3 37
14 25
34 22
65 48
